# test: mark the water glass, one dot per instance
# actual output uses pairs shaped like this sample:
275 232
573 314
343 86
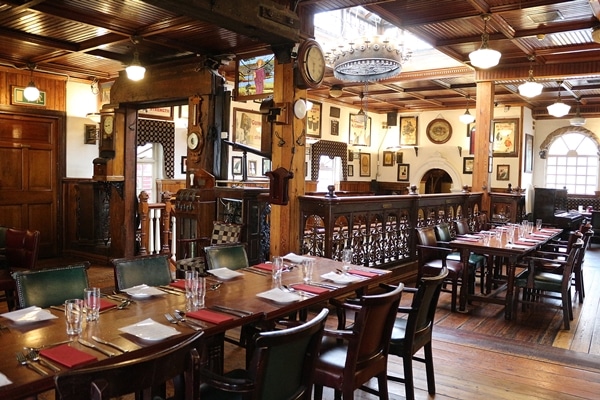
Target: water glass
199 300
486 239
91 299
74 316
307 270
346 259
538 224
191 289
276 270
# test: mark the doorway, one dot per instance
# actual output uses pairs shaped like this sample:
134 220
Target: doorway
436 181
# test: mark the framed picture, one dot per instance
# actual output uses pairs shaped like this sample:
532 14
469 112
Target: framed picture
254 77
399 157
90 133
266 165
251 167
335 127
403 172
183 164
365 164
409 132
503 172
350 170
468 165
528 162
388 158
360 130
313 120
334 112
165 113
236 165
439 131
247 128
505 135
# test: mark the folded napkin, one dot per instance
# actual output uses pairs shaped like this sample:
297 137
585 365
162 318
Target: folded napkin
105 304
296 259
179 284
467 239
310 288
209 316
264 266
363 273
4 380
68 356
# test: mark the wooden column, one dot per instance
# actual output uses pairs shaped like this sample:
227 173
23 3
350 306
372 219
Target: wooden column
285 219
483 151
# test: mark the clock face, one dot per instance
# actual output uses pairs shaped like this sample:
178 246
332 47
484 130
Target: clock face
315 64
108 125
193 141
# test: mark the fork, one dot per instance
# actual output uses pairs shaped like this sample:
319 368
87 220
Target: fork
35 356
195 326
23 361
170 318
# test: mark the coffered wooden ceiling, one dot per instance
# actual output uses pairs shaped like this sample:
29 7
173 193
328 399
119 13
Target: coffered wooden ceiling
93 39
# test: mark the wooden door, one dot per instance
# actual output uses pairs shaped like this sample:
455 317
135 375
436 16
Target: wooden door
29 175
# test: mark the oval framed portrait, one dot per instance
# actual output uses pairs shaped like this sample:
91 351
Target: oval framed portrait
439 131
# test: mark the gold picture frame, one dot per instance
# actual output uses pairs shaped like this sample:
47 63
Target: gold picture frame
409 131
388 158
90 133
247 128
505 137
365 164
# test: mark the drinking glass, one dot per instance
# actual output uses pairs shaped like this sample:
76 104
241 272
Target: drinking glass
307 270
346 259
191 289
74 316
199 300
486 239
276 270
538 224
91 299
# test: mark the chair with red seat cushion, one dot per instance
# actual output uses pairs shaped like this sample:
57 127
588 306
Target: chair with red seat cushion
21 254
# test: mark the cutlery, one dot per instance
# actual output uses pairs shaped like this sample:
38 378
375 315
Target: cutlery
256 271
169 290
57 308
192 324
324 285
35 356
340 272
45 346
232 311
93 346
170 318
106 342
24 361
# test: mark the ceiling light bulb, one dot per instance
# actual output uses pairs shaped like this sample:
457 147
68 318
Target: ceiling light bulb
466 118
31 92
135 70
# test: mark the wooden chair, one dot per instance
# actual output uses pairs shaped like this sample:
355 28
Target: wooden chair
282 366
432 258
231 256
151 270
537 283
413 332
50 287
351 355
21 254
144 375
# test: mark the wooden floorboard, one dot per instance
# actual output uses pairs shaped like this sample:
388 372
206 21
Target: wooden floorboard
480 355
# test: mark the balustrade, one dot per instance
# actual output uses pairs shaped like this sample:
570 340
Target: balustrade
156 225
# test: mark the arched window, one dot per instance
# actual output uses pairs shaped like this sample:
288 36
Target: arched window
572 162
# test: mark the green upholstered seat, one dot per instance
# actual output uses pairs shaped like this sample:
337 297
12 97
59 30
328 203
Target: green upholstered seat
151 270
226 256
47 287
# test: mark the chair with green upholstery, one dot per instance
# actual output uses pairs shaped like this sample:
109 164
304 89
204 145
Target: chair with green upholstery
226 256
50 287
151 270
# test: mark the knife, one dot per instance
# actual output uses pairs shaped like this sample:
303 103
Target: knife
93 346
168 290
106 342
256 271
232 311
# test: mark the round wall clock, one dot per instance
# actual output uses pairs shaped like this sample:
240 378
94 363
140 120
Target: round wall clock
439 131
193 141
310 70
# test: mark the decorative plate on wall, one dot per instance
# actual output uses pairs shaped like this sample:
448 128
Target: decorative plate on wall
439 131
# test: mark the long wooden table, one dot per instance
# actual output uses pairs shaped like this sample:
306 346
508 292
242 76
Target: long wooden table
501 249
239 293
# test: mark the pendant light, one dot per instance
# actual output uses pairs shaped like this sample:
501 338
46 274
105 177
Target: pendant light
577 120
530 88
31 92
135 70
485 57
467 117
558 109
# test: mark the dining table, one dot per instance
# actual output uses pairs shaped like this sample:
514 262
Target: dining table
502 249
243 296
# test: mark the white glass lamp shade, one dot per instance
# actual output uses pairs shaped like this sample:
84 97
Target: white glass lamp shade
577 121
135 71
530 88
466 118
485 58
558 109
31 92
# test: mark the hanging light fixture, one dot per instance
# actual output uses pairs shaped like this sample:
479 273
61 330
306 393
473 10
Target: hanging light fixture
577 120
530 88
558 109
484 57
336 91
135 70
364 106
31 92
467 117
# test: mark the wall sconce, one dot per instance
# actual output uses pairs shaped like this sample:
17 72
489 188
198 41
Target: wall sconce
416 151
459 151
31 92
542 154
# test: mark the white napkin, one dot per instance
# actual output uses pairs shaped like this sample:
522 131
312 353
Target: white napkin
342 279
224 273
29 314
517 246
296 259
149 329
280 296
143 291
4 380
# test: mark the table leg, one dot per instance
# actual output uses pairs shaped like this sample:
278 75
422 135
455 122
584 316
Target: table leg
464 258
510 286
